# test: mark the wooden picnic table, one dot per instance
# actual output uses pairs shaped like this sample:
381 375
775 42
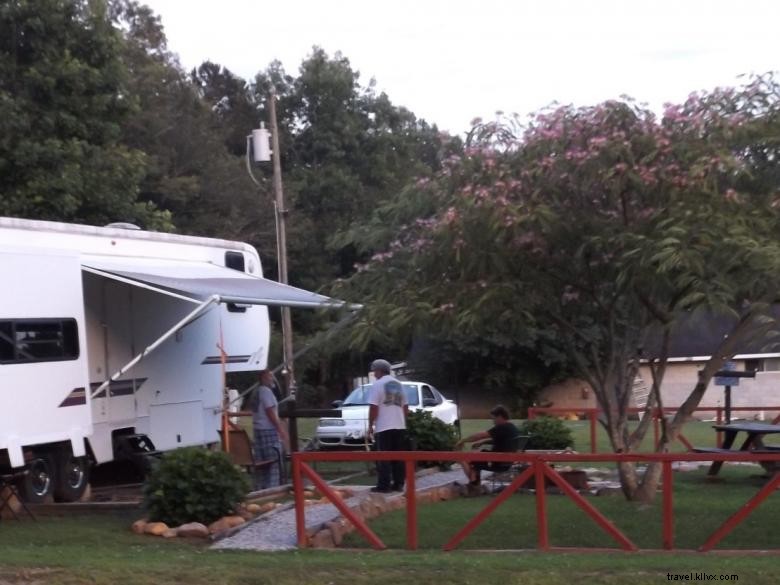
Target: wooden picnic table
754 442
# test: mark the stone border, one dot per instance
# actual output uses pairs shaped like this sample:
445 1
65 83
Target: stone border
330 534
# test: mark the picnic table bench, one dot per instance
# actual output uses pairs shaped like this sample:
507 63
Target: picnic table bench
754 442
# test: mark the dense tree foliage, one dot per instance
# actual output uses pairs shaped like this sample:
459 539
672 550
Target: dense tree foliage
593 227
63 100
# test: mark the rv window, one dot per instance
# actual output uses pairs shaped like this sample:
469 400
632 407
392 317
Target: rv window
235 260
36 340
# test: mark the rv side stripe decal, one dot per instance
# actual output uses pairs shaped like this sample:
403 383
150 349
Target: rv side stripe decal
77 397
231 359
119 387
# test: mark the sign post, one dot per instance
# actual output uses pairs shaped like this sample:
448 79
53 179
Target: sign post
729 377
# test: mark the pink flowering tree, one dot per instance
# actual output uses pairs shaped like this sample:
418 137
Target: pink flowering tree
596 229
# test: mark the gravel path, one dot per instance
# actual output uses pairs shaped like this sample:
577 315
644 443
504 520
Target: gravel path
276 531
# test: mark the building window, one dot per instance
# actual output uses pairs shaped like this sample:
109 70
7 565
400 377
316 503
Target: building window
772 365
754 365
38 340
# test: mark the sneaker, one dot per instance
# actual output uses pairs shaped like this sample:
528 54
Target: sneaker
378 490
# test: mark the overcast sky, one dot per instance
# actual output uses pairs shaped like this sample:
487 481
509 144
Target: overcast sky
452 61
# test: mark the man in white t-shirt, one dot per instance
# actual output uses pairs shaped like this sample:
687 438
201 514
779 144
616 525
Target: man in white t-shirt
387 421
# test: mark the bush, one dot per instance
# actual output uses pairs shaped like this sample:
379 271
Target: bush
194 485
547 433
428 433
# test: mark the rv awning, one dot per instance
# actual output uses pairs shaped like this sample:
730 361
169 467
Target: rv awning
197 281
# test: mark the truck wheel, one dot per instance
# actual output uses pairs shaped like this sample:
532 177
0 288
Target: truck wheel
72 478
38 483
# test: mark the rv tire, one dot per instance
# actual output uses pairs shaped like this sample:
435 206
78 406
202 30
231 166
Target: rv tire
72 477
37 484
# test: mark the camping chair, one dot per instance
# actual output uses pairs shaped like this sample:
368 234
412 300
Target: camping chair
8 485
241 453
512 469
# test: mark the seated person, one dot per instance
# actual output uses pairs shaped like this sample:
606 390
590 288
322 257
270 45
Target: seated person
502 437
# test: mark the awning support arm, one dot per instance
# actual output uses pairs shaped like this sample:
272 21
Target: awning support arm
194 314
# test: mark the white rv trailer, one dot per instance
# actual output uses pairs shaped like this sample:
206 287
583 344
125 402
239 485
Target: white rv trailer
113 333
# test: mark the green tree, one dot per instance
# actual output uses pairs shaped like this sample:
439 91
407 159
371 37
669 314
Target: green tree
63 100
190 170
345 150
592 228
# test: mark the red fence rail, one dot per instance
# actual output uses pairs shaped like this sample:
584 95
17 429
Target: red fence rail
540 469
593 414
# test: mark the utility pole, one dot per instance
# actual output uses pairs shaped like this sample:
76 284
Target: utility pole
281 238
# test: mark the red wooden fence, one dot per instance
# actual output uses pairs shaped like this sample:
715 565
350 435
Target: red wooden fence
540 469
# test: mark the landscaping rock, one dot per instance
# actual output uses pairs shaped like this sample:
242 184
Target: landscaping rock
170 533
254 508
139 526
368 509
193 529
336 531
233 521
219 525
155 528
323 539
396 503
445 493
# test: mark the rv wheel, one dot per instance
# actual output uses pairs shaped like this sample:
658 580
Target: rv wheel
38 483
72 478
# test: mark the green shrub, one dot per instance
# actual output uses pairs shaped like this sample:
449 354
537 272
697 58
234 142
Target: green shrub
428 433
547 433
193 485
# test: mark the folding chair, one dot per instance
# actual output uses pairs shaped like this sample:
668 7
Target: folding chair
241 453
8 482
506 476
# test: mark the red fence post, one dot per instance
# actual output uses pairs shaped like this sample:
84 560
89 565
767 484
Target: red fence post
668 505
326 491
541 506
300 512
411 507
592 416
741 514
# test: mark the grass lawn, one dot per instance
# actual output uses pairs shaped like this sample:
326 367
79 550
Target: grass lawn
100 550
